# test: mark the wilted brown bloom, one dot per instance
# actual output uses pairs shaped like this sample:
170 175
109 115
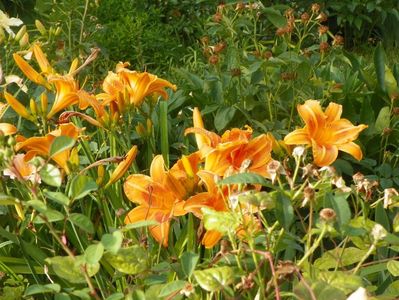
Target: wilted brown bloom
305 17
281 31
315 8
323 29
219 47
324 47
338 40
288 75
328 215
267 54
395 111
390 195
213 59
217 17
240 6
322 17
235 72
204 40
308 195
386 131
358 177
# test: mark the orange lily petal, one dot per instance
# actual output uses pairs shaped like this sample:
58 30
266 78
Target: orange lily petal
312 114
161 233
324 155
67 100
17 106
210 239
123 166
7 129
333 112
344 131
42 59
199 123
29 72
353 149
298 137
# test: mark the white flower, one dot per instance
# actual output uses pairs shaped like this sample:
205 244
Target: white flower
378 232
359 294
6 22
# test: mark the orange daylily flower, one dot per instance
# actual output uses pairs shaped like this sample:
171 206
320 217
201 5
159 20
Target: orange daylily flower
235 151
66 87
159 196
41 145
131 86
325 132
213 198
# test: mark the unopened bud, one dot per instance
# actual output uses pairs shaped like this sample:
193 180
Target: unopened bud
24 40
33 107
39 25
21 32
44 103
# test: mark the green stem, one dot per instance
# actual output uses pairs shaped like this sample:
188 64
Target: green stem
314 246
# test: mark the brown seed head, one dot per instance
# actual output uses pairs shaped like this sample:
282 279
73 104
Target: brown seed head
328 215
338 40
315 8
324 47
213 59
305 17
323 29
322 17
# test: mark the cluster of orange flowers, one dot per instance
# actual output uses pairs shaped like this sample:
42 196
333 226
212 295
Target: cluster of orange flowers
192 182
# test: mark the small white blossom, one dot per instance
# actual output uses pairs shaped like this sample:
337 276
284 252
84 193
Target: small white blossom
359 294
6 23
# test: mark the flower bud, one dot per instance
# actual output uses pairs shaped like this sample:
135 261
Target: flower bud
39 25
20 33
24 40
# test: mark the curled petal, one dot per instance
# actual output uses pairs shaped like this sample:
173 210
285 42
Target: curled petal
344 131
7 129
298 137
352 149
324 155
210 138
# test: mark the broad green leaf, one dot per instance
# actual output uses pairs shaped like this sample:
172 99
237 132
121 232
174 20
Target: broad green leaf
214 279
172 287
50 215
383 119
188 262
264 200
379 65
117 296
246 178
8 200
60 144
62 296
341 280
132 260
35 289
38 205
320 290
284 211
223 117
393 267
57 197
275 17
112 241
82 221
221 221
81 185
392 290
51 175
93 253
71 269
341 207
339 257
140 224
